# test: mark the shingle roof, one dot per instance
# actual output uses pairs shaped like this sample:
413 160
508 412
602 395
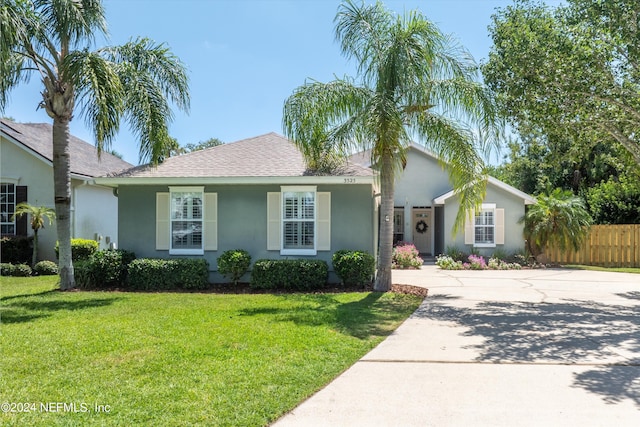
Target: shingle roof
38 137
269 155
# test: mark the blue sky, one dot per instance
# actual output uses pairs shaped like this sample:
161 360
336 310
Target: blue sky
245 57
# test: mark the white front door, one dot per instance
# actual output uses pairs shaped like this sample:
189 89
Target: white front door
423 230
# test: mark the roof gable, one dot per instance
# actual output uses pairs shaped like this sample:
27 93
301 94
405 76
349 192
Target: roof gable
269 155
37 138
364 158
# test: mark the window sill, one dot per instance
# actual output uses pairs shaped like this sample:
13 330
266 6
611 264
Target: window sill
484 245
309 252
186 252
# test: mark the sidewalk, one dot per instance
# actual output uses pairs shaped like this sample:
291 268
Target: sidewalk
498 348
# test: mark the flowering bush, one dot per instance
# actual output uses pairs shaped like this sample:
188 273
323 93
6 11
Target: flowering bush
406 256
476 262
446 262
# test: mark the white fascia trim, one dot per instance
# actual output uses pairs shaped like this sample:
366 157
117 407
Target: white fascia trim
528 200
249 180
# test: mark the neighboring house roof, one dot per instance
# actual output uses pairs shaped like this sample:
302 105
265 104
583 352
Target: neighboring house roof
364 158
265 156
37 138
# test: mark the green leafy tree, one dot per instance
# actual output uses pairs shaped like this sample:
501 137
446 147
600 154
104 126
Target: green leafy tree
39 215
571 73
412 81
558 218
138 81
211 142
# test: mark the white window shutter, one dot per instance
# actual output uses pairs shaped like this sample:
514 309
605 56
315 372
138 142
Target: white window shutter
323 222
499 226
274 221
211 221
469 229
163 231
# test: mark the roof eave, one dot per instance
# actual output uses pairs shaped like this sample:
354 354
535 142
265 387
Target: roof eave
239 180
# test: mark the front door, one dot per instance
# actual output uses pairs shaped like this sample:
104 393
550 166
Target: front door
423 230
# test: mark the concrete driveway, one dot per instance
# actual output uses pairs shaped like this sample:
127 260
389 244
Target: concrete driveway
498 348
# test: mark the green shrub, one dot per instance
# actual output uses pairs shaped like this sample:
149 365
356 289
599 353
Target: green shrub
110 266
21 270
6 269
161 274
406 256
16 250
81 249
192 273
46 268
84 276
354 267
234 264
456 254
290 274
103 269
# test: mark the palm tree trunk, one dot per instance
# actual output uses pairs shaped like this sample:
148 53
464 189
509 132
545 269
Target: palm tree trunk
34 257
62 194
385 252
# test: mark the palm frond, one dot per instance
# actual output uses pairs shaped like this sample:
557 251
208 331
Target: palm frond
72 21
99 92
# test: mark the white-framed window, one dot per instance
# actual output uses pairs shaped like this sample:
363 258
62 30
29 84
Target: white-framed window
7 208
298 220
186 220
485 226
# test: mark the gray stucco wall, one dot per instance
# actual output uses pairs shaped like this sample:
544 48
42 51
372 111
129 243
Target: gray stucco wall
242 221
513 210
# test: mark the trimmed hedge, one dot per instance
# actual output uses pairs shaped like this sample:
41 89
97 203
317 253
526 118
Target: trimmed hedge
46 268
103 269
81 249
289 274
17 270
160 274
16 250
234 264
354 267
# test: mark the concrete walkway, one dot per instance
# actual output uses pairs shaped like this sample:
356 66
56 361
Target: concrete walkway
498 348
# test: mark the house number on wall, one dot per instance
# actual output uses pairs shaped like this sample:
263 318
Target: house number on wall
349 180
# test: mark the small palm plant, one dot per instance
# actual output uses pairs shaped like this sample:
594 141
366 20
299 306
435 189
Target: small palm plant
559 219
38 216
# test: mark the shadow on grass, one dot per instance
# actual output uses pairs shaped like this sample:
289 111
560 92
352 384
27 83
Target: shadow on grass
26 311
571 331
365 318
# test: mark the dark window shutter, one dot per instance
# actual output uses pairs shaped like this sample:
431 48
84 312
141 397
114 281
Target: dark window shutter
21 223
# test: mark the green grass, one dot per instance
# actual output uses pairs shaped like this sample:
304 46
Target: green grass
179 358
614 269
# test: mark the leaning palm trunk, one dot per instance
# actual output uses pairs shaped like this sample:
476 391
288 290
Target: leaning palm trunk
62 195
383 277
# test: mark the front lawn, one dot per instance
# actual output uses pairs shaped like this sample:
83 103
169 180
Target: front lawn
177 358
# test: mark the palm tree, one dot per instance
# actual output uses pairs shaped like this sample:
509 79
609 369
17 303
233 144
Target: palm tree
413 81
559 219
138 80
38 216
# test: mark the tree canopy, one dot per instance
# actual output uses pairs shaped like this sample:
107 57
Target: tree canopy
413 82
570 73
138 81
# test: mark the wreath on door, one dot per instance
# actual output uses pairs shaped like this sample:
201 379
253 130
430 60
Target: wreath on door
422 227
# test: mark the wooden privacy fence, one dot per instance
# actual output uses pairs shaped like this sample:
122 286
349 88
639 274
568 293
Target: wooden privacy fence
605 246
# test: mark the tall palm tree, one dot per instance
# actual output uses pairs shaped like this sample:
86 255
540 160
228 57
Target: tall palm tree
138 80
558 218
412 81
38 216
